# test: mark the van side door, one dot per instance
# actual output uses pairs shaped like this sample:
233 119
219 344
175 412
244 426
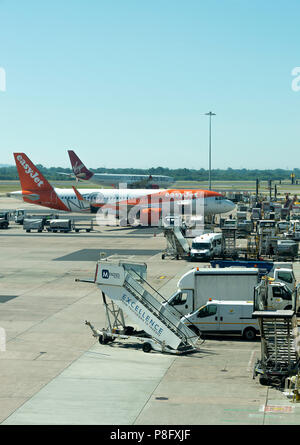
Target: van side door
230 316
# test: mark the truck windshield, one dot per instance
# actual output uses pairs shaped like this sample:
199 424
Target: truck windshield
180 298
200 246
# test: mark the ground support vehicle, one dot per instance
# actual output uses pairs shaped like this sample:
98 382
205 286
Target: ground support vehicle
206 246
224 317
4 220
280 339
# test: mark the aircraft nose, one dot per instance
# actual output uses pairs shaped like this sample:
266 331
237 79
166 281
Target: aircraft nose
231 205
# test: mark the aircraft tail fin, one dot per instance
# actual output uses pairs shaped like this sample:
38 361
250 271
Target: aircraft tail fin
79 169
30 177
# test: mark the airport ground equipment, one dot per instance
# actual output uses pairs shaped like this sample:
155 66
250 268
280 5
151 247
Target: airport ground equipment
4 220
177 245
33 224
282 226
256 214
206 246
293 231
279 340
19 216
196 286
286 248
60 225
225 317
266 237
229 241
245 226
130 294
279 271
77 227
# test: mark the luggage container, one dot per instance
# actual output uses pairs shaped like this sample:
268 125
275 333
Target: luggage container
60 225
33 224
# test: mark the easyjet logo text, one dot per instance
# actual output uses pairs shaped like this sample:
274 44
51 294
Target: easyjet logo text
30 172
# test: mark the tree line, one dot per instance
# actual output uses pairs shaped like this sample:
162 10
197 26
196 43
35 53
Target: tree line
180 174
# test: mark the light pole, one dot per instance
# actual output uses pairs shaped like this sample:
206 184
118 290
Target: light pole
210 114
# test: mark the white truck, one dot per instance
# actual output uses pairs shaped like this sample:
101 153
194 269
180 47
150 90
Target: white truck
197 286
206 246
224 317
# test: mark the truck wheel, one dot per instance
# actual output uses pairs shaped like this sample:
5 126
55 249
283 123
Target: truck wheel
27 230
163 256
76 230
264 380
88 230
147 347
103 340
249 334
288 308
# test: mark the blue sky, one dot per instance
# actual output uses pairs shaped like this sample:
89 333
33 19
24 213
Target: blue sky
127 83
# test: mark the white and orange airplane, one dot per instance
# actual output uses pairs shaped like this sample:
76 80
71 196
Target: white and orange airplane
37 190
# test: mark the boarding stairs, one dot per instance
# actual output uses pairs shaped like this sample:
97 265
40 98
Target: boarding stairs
177 245
127 288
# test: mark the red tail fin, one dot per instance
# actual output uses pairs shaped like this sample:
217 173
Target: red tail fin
79 169
30 177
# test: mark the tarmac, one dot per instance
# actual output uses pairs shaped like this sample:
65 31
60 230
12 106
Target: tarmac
54 372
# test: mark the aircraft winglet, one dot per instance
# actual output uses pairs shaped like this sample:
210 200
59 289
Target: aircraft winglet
78 195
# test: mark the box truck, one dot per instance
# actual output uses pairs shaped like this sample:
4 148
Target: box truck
197 286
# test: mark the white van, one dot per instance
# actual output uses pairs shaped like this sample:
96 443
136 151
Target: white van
206 246
224 317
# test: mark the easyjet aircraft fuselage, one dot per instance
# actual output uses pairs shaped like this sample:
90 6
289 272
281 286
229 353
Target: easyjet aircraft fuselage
67 199
37 190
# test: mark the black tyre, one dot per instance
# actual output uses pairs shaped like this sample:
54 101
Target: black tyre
264 380
249 334
163 256
103 340
147 347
